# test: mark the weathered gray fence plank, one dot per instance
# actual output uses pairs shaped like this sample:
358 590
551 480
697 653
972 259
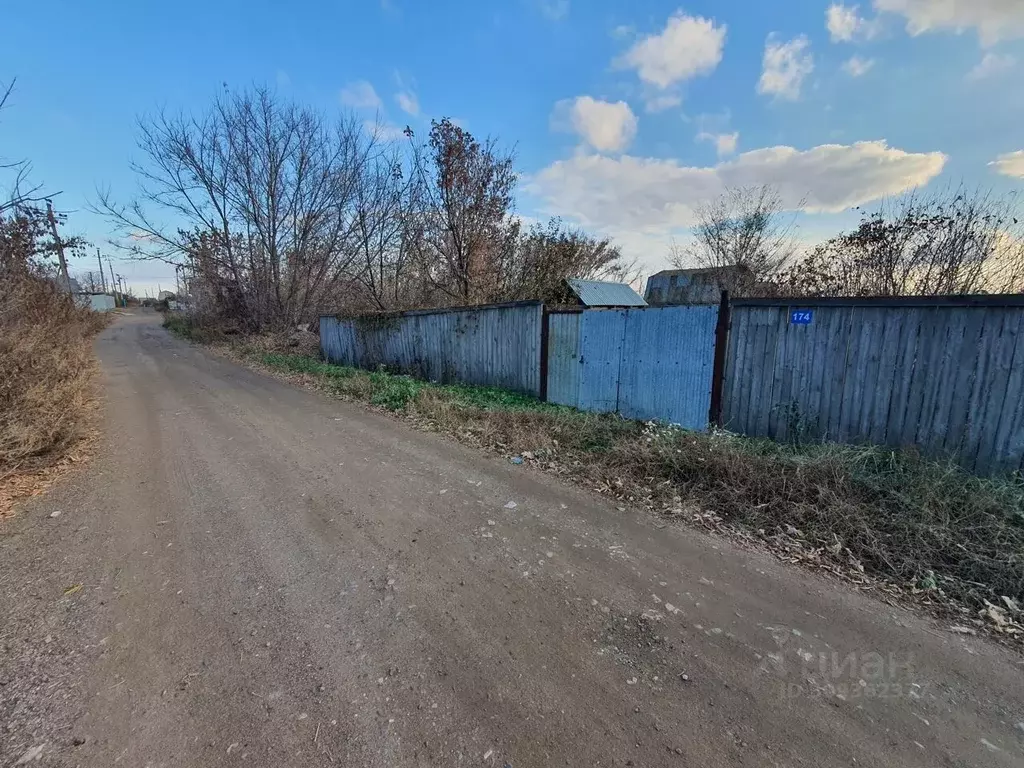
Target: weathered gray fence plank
491 345
1002 364
981 386
1005 458
946 378
902 376
877 413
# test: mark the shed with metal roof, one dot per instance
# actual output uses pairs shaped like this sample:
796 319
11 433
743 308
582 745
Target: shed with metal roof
597 293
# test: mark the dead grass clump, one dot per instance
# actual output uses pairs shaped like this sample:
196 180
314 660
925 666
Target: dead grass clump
47 371
205 330
927 526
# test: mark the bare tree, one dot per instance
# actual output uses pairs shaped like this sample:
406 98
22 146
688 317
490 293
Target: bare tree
546 255
285 215
90 281
747 233
385 230
19 193
952 243
466 189
267 190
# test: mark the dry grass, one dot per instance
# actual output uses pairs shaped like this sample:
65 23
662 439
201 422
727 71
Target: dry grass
47 382
889 522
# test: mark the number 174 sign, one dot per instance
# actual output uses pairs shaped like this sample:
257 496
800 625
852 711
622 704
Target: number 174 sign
801 316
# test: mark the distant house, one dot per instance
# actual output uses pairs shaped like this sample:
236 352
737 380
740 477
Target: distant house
98 302
697 286
597 293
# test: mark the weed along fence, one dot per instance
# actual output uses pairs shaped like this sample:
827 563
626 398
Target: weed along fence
496 345
944 375
645 363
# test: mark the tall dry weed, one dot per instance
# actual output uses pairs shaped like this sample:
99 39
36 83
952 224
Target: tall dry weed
47 371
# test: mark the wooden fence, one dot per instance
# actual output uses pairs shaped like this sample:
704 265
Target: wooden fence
944 375
494 345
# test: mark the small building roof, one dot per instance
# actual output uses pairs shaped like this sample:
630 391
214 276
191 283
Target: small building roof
729 269
596 293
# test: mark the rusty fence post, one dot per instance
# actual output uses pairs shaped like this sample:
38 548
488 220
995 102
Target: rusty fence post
544 320
718 370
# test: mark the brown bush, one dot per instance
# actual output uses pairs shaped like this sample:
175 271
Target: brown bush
47 371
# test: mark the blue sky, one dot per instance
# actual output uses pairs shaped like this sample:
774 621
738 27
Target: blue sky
624 115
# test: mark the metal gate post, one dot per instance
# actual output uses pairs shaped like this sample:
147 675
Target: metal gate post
718 370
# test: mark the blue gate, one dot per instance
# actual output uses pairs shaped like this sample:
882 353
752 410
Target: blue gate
651 363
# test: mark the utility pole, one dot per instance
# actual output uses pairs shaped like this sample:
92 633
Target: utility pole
113 282
60 246
103 279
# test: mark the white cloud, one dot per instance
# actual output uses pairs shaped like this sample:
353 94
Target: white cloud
842 22
657 196
992 65
785 67
555 10
856 66
408 102
1010 164
665 101
360 95
725 143
994 20
604 125
846 25
688 46
384 131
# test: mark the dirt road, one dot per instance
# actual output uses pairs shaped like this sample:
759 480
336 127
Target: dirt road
272 578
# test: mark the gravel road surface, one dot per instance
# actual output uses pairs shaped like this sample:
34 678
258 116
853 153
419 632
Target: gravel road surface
252 574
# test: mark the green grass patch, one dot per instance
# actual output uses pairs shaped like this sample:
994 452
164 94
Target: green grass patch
183 326
493 399
179 325
308 365
397 392
394 392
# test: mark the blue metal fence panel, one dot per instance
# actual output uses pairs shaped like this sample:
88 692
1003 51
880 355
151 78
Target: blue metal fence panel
668 355
645 363
601 332
564 358
496 345
336 342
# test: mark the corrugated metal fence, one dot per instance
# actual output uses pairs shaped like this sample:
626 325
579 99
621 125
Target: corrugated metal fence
497 345
645 363
946 376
